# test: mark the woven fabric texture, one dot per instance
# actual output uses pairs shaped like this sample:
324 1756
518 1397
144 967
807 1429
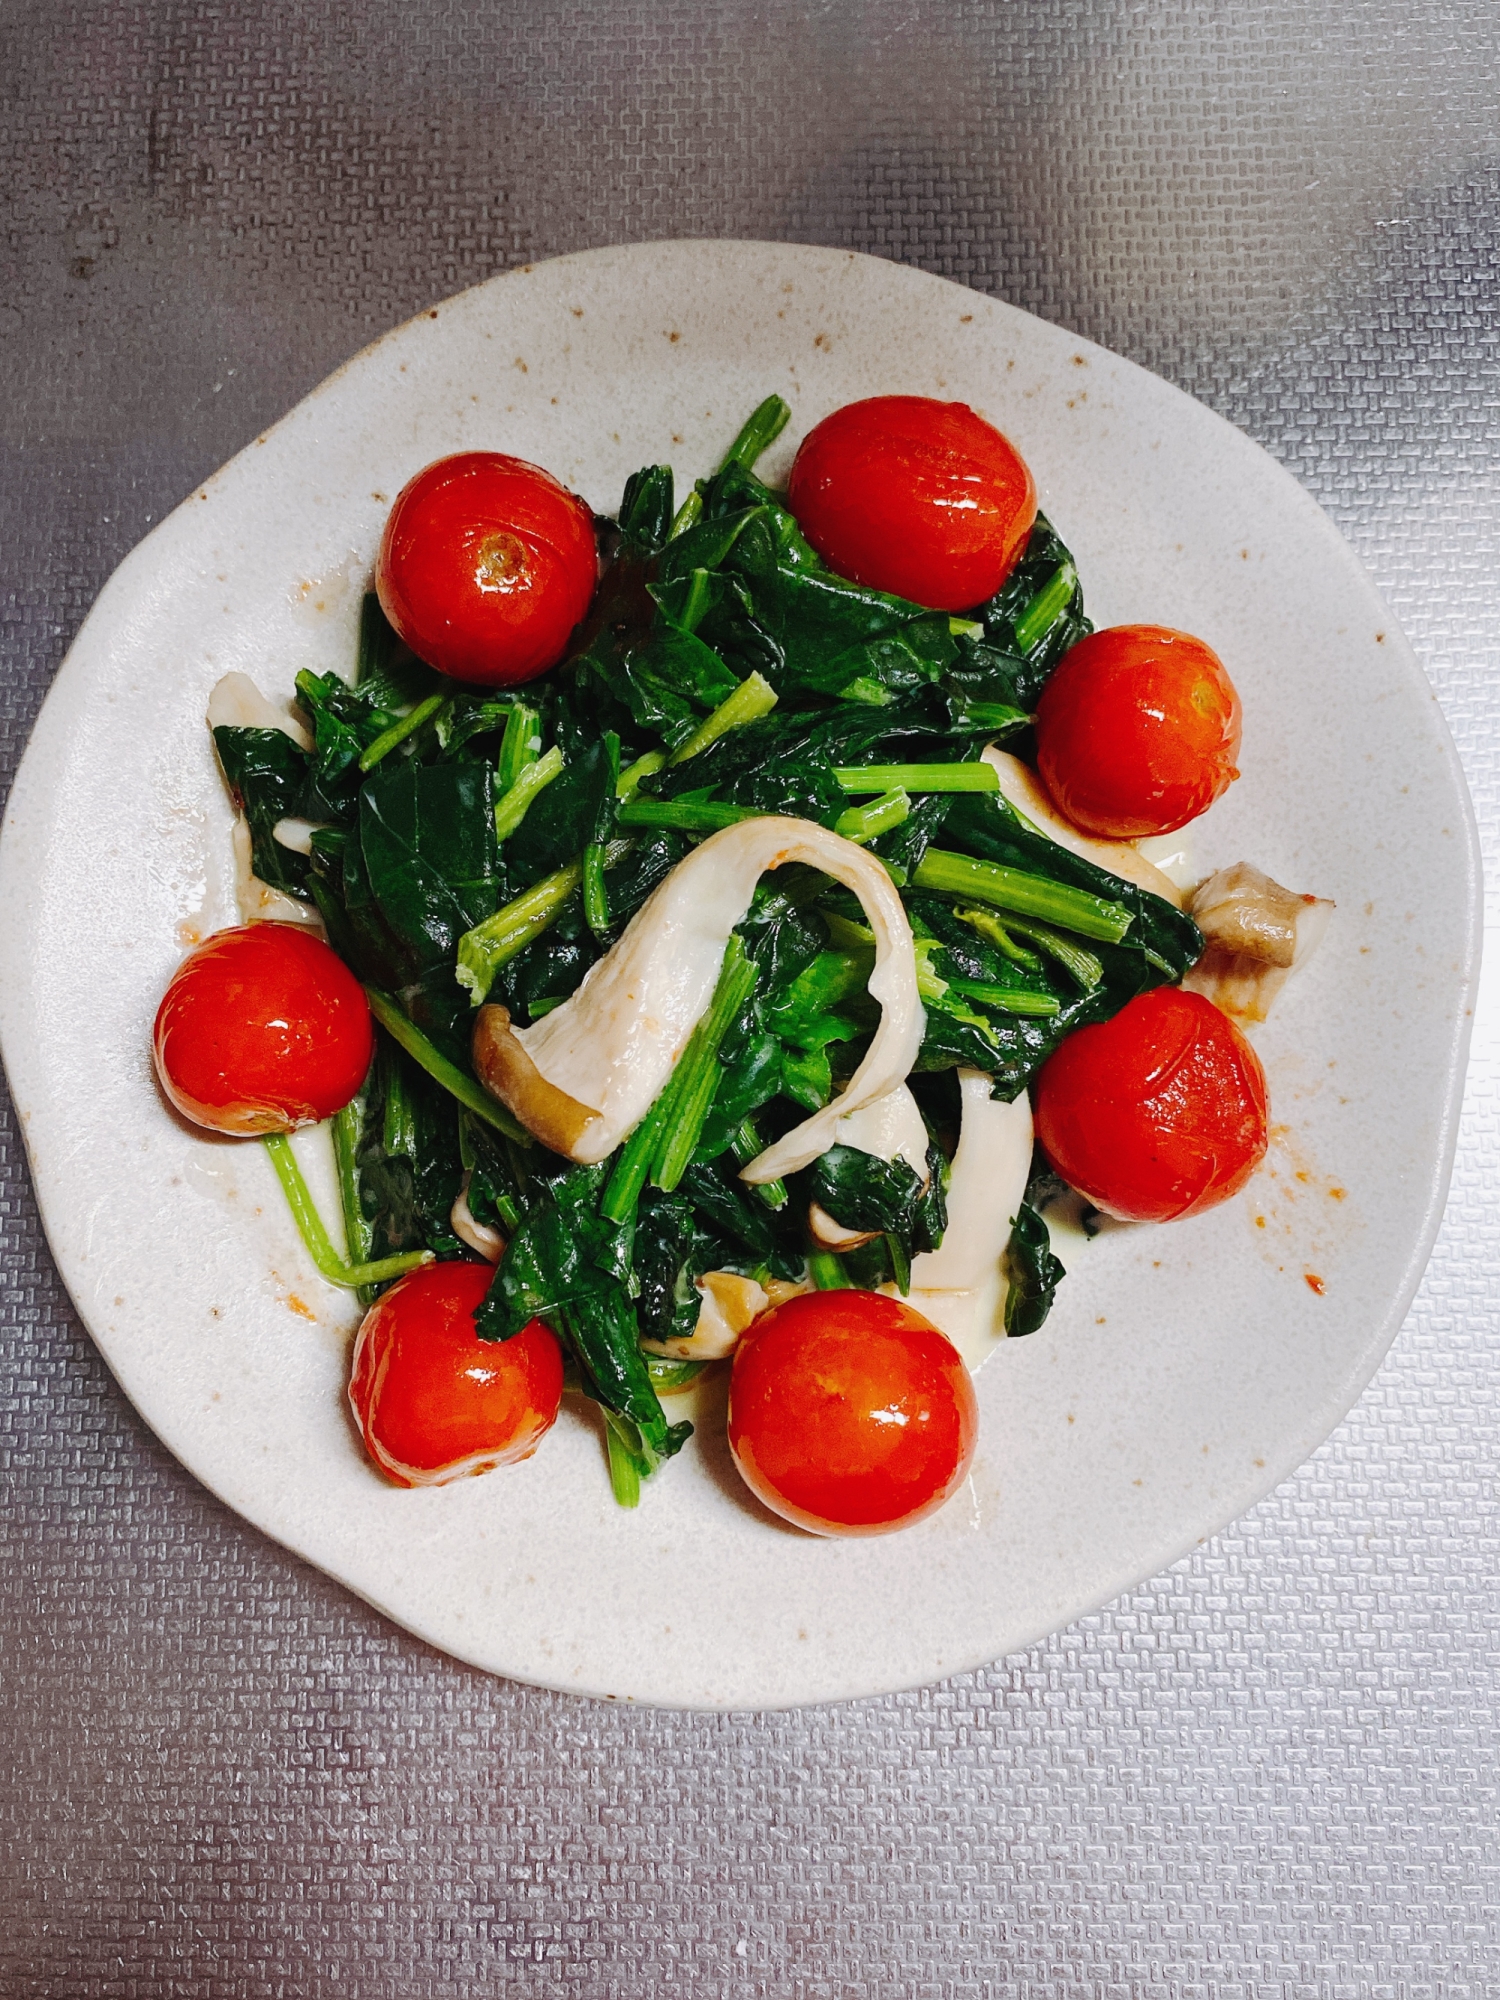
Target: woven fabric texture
1270 1774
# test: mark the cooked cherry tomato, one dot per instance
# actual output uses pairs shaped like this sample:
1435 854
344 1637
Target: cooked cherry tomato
850 1414
914 496
432 1400
1158 1113
1137 732
486 565
262 1029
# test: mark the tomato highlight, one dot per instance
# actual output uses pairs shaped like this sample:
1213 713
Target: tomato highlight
914 496
261 1029
1157 1114
1138 731
432 1400
850 1414
486 565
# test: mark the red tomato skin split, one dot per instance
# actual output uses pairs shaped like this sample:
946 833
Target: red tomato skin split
486 566
1138 731
433 1401
262 1028
914 496
850 1414
1157 1114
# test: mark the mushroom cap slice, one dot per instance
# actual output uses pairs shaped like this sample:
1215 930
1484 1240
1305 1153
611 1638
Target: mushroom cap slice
505 1068
961 1286
480 1236
730 1303
1256 935
609 1050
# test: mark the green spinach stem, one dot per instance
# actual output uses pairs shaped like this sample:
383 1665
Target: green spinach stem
667 1134
762 428
699 1070
519 746
826 1269
595 893
643 767
918 777
314 1232
989 926
1075 958
431 1058
514 803
1030 895
1009 999
754 697
865 688
864 823
483 950
997 716
624 1459
687 515
746 1143
1044 610
690 816
398 732
358 1234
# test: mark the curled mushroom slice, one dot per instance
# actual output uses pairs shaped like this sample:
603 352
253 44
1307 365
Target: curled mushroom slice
235 702
256 901
1249 914
729 1304
1021 786
890 1128
296 835
479 1236
504 1066
592 1068
961 1285
1257 935
831 1235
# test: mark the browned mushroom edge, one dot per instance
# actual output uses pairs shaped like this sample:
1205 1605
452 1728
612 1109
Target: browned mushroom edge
508 1073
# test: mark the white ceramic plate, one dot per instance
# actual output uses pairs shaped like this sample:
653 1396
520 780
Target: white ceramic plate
1185 1369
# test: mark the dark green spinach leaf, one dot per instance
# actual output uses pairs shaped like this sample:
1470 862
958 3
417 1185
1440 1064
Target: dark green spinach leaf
427 858
1034 1273
267 775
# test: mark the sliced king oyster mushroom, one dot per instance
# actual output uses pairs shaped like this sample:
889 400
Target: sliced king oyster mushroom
585 1075
1257 935
961 1285
729 1304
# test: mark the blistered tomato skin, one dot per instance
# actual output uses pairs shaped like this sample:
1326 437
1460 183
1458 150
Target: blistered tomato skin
1138 731
432 1400
262 1029
1158 1113
485 567
914 496
850 1414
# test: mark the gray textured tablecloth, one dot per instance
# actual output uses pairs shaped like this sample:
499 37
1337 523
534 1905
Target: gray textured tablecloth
1269 1773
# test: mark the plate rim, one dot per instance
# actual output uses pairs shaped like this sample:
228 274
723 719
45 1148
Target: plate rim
32 771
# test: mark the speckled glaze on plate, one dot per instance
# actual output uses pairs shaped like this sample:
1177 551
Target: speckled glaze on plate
1185 1369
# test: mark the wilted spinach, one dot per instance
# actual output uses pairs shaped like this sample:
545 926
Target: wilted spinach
403 781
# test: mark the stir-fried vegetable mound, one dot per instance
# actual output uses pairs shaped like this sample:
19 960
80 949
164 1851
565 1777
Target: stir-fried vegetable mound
476 846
